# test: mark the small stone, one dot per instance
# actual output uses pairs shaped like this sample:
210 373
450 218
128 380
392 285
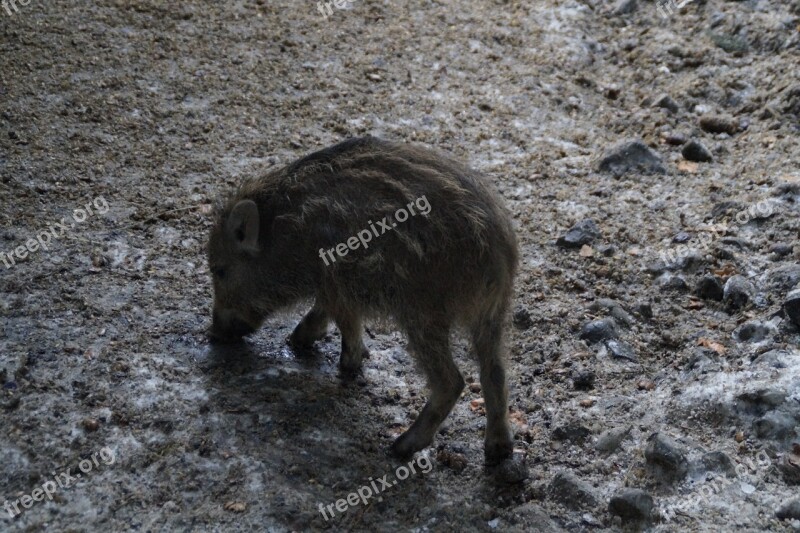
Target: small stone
583 380
665 101
774 426
781 249
631 156
681 237
566 488
599 330
738 292
645 384
695 151
620 350
610 440
673 282
665 457
792 307
752 332
675 138
790 468
522 318
633 505
718 462
789 510
571 432
91 424
718 124
709 288
625 7
584 232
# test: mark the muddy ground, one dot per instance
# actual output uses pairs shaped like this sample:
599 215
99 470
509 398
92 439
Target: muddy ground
149 111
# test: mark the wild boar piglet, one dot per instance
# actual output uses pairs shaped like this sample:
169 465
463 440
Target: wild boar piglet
376 228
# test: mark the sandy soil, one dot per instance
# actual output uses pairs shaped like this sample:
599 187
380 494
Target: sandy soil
149 111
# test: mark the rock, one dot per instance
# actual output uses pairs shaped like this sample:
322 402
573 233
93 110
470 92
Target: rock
666 459
665 101
709 288
610 440
511 471
625 7
789 510
633 505
681 237
774 426
522 318
695 151
566 488
738 292
760 401
644 310
675 138
752 332
620 350
599 330
584 232
772 359
631 156
783 279
672 282
718 462
614 309
792 307
790 468
583 380
532 513
730 43
781 249
572 432
718 124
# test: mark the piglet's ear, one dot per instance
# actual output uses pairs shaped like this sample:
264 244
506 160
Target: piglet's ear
243 226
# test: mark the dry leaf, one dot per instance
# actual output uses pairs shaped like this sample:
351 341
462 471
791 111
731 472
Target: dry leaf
717 347
586 251
688 166
695 304
587 402
236 507
645 384
477 406
725 272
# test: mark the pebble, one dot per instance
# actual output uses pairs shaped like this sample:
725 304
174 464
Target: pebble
672 282
792 307
695 151
571 432
522 318
599 330
620 350
633 505
718 462
675 138
566 488
789 510
665 101
781 249
610 440
584 232
665 457
774 426
738 292
631 156
625 7
752 332
583 379
709 288
718 124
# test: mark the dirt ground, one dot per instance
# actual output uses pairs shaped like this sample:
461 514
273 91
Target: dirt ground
125 120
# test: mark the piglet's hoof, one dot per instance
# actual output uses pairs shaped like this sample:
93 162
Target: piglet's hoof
509 471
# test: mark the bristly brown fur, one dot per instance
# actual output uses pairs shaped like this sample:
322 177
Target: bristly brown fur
454 266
